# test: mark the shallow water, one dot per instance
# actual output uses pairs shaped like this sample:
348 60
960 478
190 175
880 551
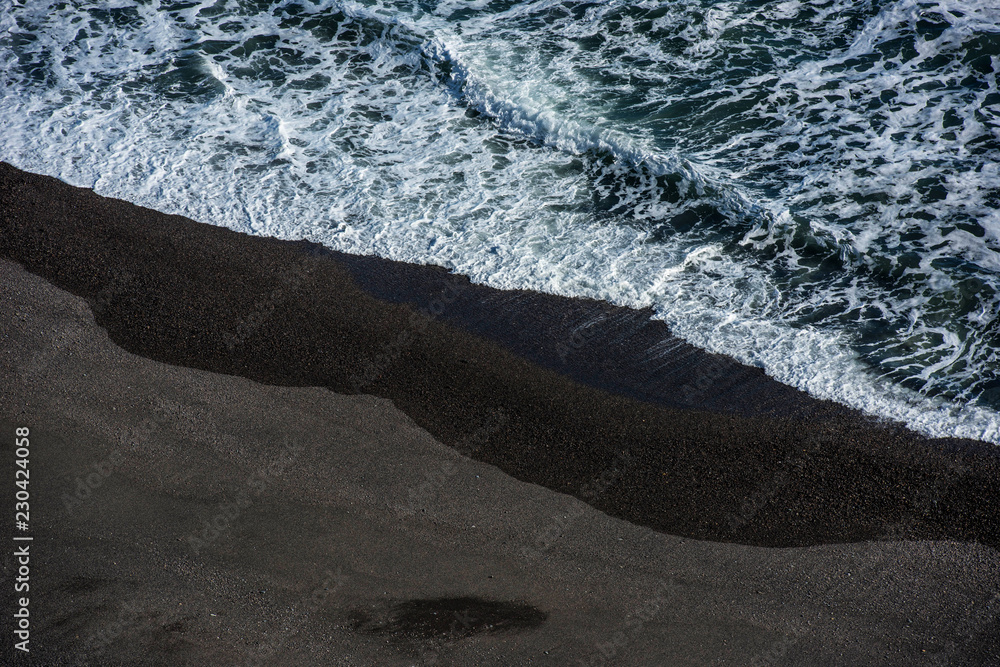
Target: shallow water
811 187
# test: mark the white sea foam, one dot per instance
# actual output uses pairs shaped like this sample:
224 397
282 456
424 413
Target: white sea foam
499 146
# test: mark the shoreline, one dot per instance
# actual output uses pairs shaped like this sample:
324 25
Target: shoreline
293 314
294 466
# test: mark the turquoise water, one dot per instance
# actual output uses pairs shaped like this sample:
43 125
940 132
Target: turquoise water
811 187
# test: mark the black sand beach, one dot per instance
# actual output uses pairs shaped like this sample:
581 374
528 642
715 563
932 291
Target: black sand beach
387 446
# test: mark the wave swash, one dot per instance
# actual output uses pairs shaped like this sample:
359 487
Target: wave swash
811 187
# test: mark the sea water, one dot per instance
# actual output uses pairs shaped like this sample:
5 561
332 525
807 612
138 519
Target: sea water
809 186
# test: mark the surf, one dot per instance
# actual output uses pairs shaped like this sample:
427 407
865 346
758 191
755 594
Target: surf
618 151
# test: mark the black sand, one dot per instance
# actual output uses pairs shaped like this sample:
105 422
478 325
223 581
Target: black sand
755 464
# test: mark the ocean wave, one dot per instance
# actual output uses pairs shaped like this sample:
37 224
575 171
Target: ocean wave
808 187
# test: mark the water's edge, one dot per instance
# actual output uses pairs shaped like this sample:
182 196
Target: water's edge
201 296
